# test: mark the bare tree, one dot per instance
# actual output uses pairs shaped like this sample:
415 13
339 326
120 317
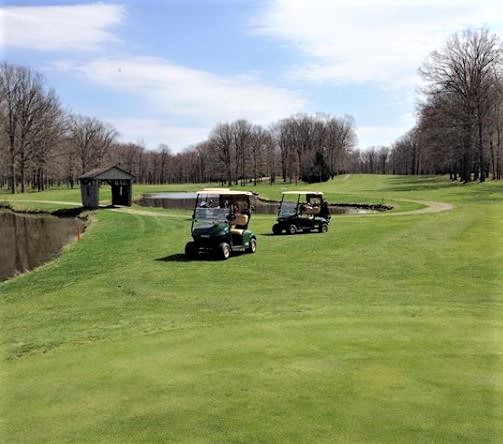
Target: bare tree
340 139
221 141
48 132
164 154
242 132
261 143
283 133
10 93
30 122
464 71
91 139
382 157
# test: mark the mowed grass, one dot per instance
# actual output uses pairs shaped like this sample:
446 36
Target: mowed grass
385 329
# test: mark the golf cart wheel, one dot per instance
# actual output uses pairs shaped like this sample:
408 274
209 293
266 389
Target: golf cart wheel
323 228
224 250
291 229
190 250
252 247
276 229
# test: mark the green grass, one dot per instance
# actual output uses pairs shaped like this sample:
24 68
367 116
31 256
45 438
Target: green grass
385 329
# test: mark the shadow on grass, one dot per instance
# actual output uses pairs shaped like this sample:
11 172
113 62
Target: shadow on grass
418 183
299 233
487 192
180 257
207 257
177 257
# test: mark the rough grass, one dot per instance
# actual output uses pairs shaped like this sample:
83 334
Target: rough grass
385 329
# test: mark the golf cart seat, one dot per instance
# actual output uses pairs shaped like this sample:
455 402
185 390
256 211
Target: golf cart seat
239 223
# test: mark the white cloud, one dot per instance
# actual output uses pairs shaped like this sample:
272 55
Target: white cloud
179 91
74 27
366 40
156 131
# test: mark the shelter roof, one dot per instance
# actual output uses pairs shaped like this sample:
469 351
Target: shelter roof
107 173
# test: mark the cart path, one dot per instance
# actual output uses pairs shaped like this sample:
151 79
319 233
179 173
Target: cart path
129 210
58 202
431 207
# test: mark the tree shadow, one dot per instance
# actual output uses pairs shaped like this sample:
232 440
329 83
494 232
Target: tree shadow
418 183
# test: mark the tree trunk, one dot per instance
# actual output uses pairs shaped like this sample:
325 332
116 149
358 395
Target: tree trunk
467 162
493 157
13 176
255 169
23 177
481 148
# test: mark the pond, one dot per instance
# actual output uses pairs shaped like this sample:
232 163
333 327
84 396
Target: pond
27 241
186 201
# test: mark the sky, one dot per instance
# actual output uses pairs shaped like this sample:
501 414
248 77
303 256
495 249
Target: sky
169 71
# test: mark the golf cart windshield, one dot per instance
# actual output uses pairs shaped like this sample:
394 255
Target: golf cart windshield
287 209
207 217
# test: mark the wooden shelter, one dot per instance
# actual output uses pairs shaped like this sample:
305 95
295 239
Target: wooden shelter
120 181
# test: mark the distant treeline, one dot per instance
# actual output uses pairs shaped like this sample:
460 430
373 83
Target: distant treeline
41 145
458 132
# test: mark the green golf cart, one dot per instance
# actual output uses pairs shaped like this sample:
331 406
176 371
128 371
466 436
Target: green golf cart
220 223
302 211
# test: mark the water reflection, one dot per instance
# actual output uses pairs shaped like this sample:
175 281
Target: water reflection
27 241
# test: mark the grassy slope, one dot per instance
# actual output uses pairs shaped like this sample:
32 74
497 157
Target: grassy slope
386 329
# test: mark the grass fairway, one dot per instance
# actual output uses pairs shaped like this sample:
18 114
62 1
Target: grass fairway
385 329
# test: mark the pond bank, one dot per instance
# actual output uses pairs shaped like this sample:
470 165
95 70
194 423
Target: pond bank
29 239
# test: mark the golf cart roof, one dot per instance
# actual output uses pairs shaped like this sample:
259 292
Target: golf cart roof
317 193
224 192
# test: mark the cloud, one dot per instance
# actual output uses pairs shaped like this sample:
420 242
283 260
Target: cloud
49 28
364 40
176 90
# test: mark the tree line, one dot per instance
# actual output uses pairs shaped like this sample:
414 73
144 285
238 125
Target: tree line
459 129
42 145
